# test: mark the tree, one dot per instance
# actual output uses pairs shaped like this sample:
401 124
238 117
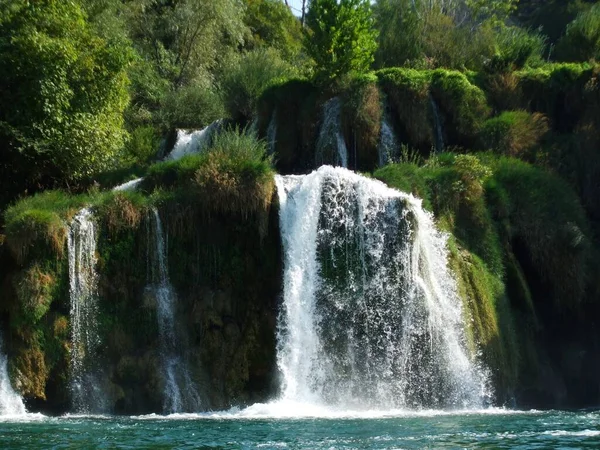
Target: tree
63 90
341 36
273 24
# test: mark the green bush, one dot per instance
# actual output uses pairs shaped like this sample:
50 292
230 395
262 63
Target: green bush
234 175
142 145
248 75
581 41
516 48
341 37
192 106
515 133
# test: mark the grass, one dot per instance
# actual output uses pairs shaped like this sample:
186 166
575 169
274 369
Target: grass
515 133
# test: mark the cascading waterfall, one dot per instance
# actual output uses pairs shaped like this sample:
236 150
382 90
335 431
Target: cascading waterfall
388 144
190 142
86 389
272 133
331 147
179 391
371 318
11 404
437 126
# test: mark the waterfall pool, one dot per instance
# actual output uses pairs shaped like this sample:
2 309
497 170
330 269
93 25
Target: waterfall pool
255 428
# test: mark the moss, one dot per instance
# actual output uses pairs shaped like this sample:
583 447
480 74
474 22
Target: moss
492 328
407 91
37 226
361 122
34 290
296 105
557 91
463 104
547 218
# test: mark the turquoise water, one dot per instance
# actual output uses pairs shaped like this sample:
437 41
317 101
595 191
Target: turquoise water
491 429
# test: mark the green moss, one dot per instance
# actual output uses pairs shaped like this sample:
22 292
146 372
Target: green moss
463 104
555 90
548 221
296 106
361 121
491 325
407 91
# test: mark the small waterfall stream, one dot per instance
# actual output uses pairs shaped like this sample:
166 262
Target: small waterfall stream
180 394
388 148
87 392
331 147
11 404
190 142
437 126
371 318
272 133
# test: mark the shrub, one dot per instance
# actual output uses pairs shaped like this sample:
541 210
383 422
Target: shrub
192 106
233 175
581 41
248 75
516 48
515 133
142 145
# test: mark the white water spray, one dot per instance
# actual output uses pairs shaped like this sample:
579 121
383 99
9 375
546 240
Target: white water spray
128 186
331 147
179 391
371 318
86 390
11 404
190 142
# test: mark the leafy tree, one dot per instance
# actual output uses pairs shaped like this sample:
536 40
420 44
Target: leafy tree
271 23
63 90
341 36
184 39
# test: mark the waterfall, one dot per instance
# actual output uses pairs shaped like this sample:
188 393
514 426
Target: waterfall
190 142
437 126
129 186
388 144
87 392
179 391
371 318
331 147
272 133
11 404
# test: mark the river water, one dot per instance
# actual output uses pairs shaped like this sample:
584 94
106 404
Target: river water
286 426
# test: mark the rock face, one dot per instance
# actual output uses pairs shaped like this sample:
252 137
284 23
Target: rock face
225 278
